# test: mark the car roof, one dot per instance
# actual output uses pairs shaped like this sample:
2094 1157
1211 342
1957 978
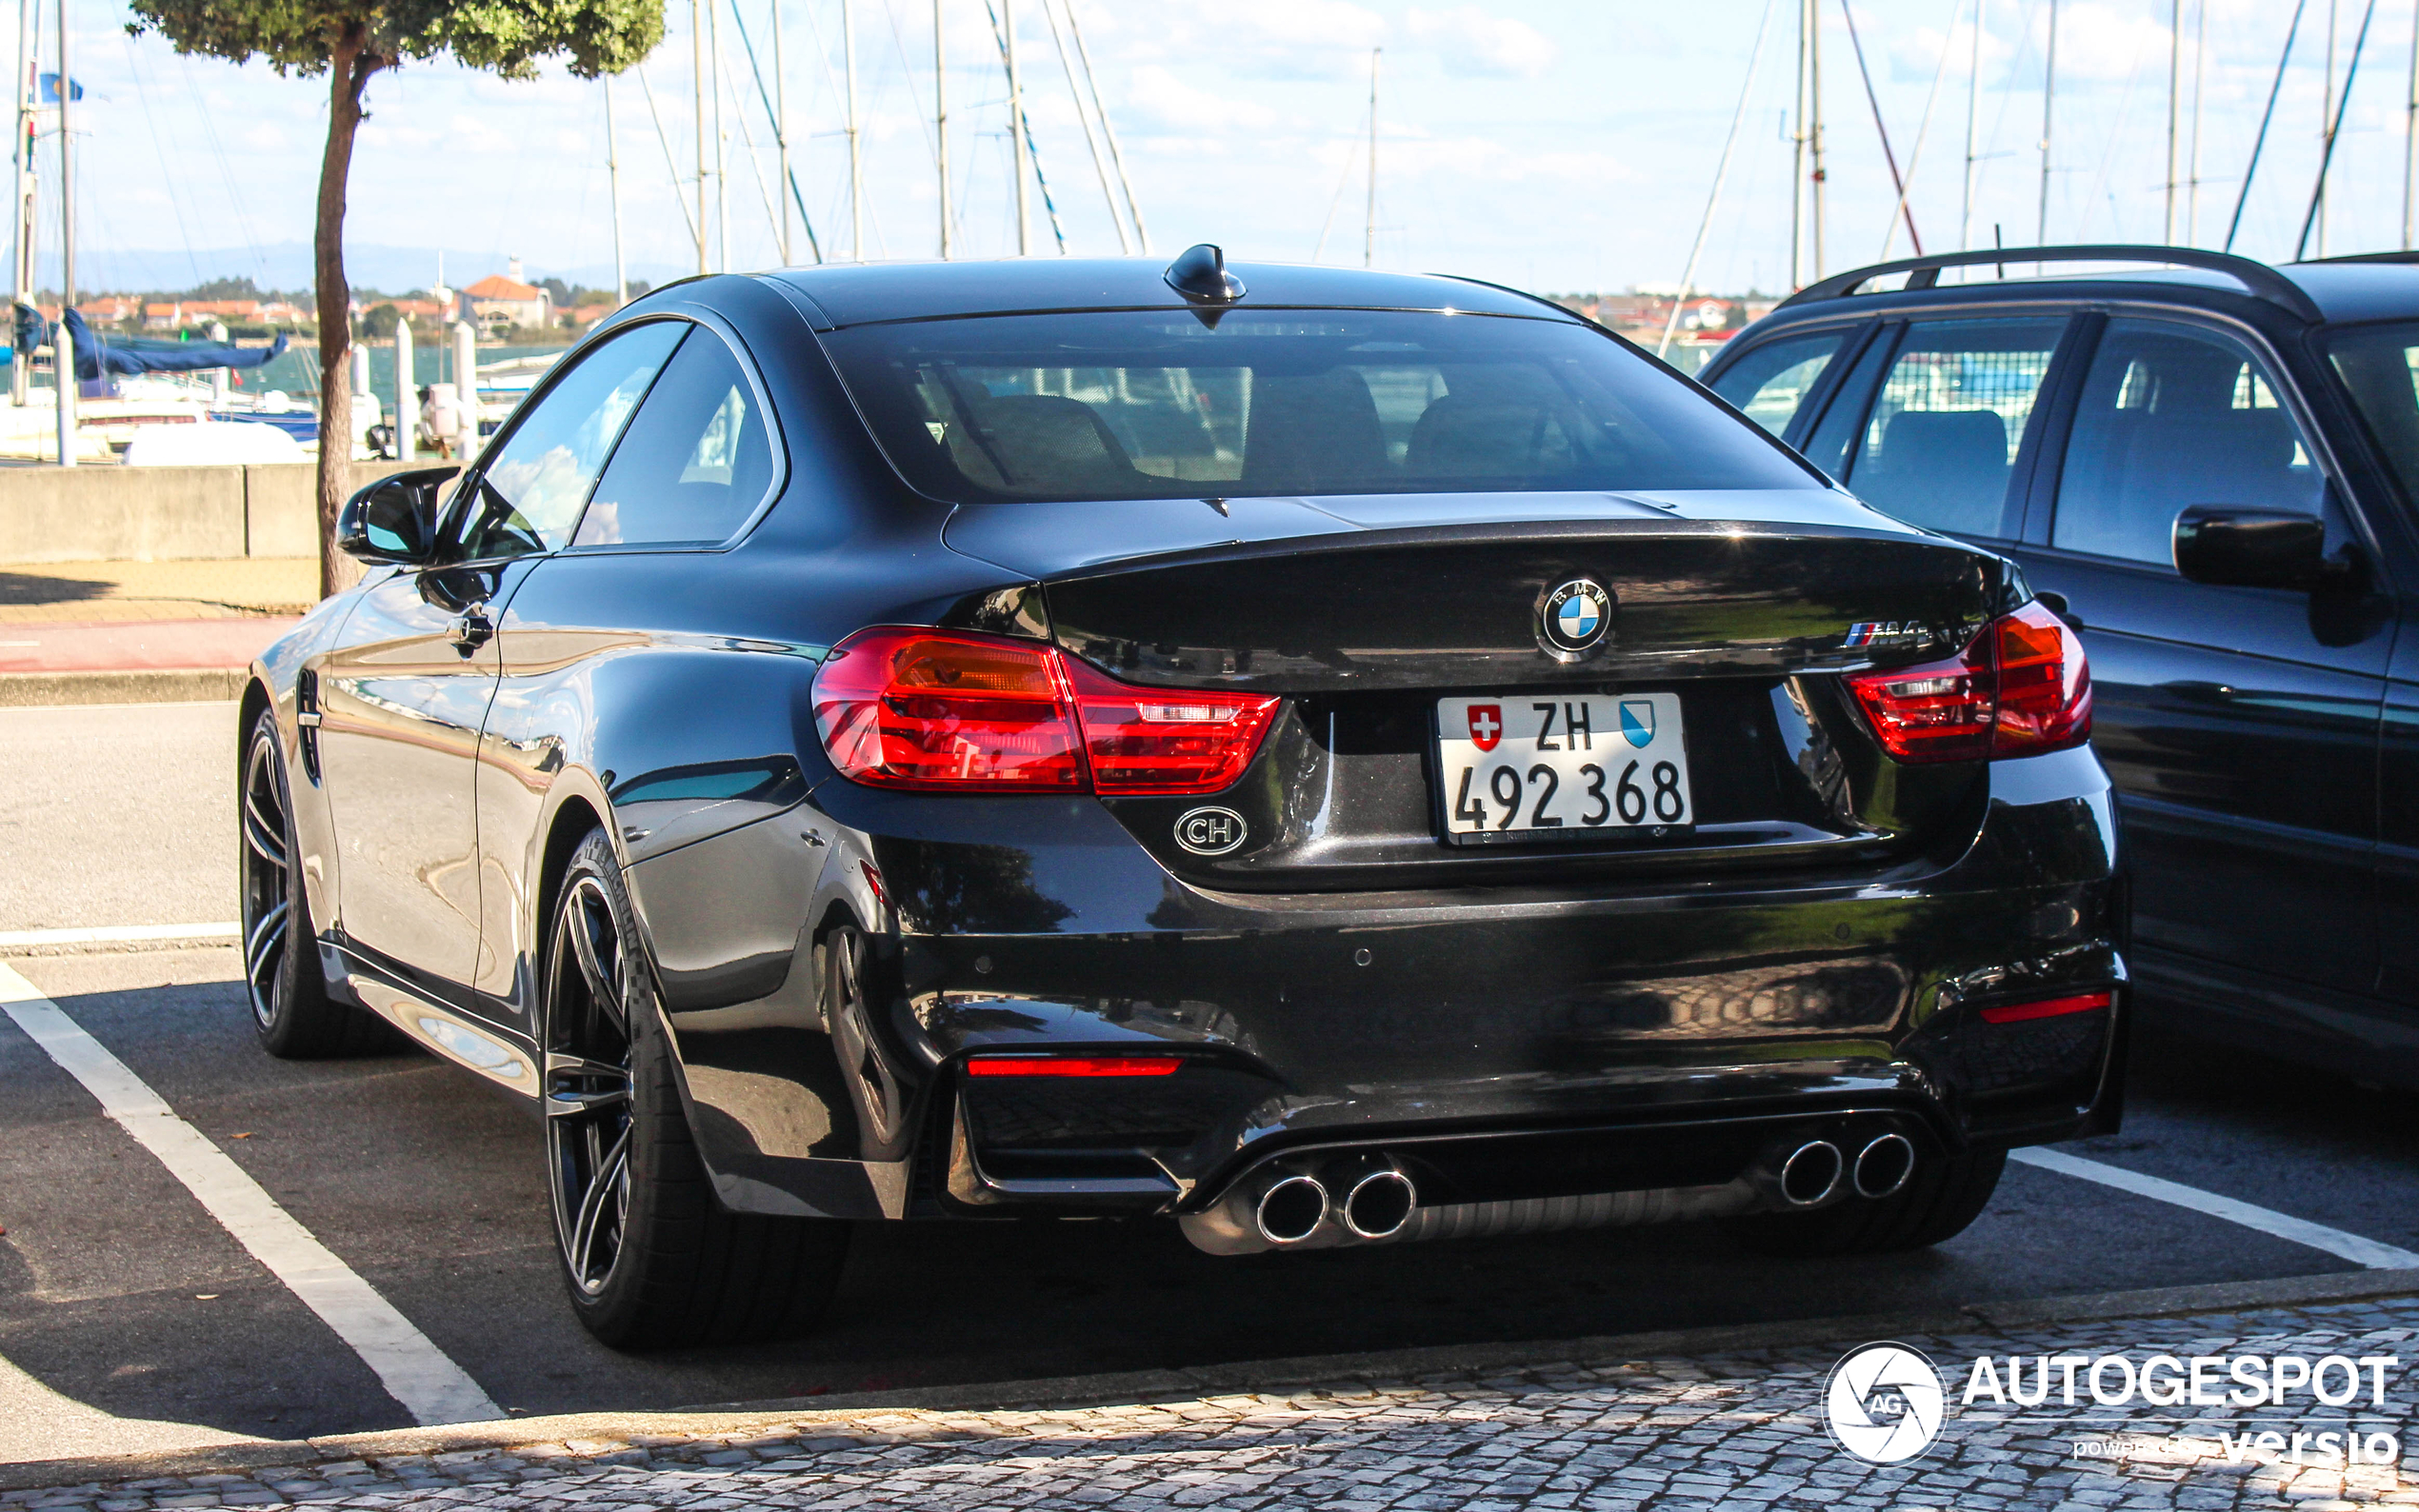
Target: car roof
863 293
2342 291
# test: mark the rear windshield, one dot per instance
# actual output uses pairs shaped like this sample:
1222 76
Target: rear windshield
1158 404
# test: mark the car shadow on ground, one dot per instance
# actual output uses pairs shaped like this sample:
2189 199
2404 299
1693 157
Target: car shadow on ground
426 1182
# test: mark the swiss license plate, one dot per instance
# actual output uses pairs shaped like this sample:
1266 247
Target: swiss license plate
1536 766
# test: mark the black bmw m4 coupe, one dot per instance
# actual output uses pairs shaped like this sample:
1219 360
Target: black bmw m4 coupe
1319 757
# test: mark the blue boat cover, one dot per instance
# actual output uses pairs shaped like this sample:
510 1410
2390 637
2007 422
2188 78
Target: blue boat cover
98 355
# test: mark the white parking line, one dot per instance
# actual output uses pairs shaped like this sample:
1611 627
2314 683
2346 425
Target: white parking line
2268 1221
119 934
414 1371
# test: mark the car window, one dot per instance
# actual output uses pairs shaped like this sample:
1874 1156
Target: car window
1942 441
531 489
2175 415
2380 365
1770 383
693 465
1168 404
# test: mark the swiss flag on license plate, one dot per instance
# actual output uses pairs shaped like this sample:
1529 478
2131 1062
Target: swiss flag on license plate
1486 725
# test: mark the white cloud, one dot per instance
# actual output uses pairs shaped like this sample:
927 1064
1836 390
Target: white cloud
1163 101
1264 39
1471 43
1914 57
2100 44
264 136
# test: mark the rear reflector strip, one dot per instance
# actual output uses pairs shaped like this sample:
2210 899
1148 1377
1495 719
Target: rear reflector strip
2046 1008
1073 1065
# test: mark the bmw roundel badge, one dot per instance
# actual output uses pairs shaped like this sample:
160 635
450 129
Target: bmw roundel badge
1574 619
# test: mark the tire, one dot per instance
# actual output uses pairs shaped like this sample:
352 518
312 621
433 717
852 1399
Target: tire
293 1012
649 1255
1936 1204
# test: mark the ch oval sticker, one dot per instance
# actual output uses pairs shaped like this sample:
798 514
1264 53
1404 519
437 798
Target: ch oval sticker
1211 831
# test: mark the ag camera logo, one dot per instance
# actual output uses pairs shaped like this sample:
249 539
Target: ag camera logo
1884 1403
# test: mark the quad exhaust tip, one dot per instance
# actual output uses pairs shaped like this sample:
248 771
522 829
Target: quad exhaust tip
1884 1166
1291 1210
1380 1204
1811 1173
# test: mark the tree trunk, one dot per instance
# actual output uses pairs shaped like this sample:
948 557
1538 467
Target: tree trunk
352 60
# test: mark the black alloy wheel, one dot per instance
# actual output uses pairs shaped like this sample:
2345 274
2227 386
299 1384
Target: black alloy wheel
588 1084
291 1011
650 1257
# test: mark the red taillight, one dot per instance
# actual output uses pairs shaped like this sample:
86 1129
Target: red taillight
1149 740
2020 689
2046 1008
926 708
902 707
1073 1065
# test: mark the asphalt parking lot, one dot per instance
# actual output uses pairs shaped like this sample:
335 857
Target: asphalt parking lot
122 1301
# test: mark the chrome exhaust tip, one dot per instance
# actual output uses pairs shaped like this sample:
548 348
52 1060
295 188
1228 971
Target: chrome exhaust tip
1884 1166
1290 1210
1379 1205
1811 1173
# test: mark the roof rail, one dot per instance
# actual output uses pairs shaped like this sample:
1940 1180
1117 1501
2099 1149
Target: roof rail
1922 273
2371 257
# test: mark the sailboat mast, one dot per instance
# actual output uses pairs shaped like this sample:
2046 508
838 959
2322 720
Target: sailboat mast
2049 99
1973 108
697 52
2327 124
1797 158
613 192
1108 133
856 148
2175 77
1016 142
1815 117
780 125
1369 221
66 174
941 122
21 276
722 138
2200 89
2409 138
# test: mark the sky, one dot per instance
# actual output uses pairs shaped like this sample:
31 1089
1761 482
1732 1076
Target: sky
1549 145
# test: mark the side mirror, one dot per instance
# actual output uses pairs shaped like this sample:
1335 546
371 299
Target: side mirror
2254 548
393 519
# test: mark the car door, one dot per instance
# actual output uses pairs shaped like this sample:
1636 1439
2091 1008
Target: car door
401 701
2239 724
694 465
405 697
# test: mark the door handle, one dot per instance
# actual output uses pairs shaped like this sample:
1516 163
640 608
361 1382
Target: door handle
470 631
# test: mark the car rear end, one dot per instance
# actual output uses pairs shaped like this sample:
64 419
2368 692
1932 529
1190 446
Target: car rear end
1552 808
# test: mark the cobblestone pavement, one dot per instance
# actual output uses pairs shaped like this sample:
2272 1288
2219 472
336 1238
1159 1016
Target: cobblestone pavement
1743 1430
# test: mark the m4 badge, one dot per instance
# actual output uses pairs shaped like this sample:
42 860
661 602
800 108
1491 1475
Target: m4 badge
1886 635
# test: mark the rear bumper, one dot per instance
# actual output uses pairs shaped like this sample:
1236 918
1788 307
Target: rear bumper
1600 1027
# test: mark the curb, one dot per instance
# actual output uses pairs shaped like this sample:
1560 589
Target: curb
599 1435
179 684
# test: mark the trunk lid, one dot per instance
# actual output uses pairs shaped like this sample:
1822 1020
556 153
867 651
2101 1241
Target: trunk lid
1365 611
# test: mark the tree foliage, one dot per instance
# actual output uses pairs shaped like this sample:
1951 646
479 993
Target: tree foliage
508 37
